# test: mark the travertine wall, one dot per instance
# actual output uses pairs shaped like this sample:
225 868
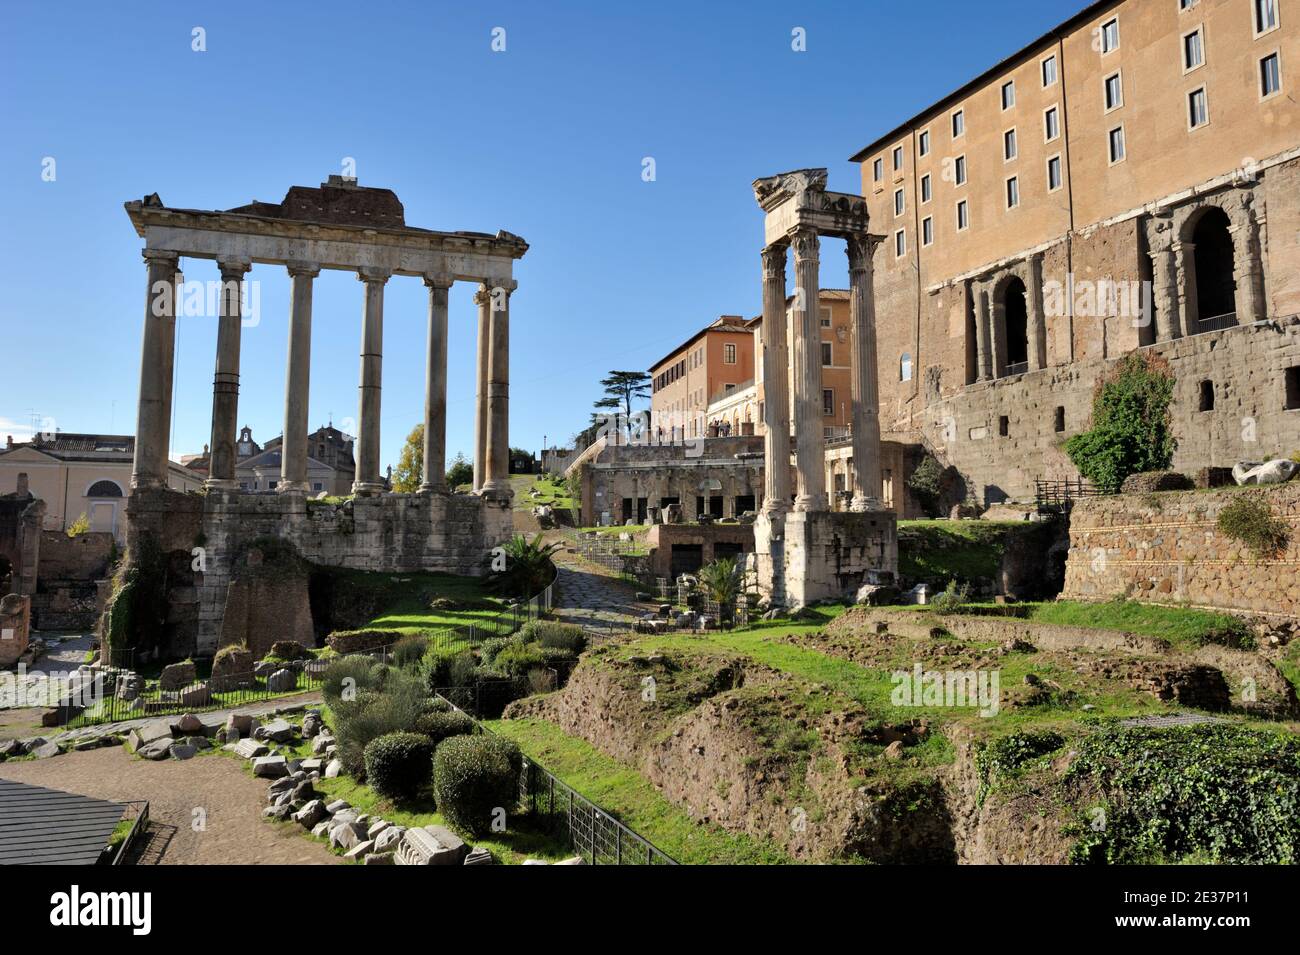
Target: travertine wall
1167 548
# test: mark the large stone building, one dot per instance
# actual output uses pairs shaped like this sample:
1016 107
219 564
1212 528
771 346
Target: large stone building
1129 180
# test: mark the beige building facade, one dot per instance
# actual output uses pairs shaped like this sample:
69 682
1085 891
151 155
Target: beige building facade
1130 180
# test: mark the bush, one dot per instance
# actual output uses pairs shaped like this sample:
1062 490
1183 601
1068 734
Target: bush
472 777
926 484
362 641
354 673
565 636
393 710
446 669
953 598
518 660
409 651
440 726
1249 520
398 764
288 650
489 648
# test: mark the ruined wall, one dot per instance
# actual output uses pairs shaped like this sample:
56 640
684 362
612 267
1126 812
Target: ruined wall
1167 548
662 538
84 557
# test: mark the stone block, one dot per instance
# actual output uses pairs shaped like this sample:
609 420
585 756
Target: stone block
176 675
270 766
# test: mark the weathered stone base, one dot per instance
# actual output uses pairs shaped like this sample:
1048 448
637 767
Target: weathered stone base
769 556
827 555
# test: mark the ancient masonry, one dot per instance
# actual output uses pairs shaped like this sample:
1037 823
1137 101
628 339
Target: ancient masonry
811 553
336 226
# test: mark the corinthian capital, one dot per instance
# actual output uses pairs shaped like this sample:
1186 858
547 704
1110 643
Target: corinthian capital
806 245
774 261
859 247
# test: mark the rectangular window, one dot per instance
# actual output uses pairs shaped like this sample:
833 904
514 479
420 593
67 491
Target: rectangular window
1009 145
1193 51
1008 94
900 243
1013 192
827 358
927 231
1114 91
1110 35
963 216
728 354
828 401
1049 71
925 188
924 141
959 170
1198 109
878 170
898 202
1270 75
1054 174
824 313
1116 139
1265 15
898 158
958 123
1052 123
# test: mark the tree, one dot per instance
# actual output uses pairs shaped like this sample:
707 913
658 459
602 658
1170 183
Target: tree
528 567
1131 431
621 387
460 472
409 473
722 581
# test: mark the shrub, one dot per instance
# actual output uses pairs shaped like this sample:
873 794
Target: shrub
288 650
441 726
541 680
926 484
78 527
489 648
1249 520
446 669
409 651
472 777
398 764
1008 756
953 598
565 636
517 660
363 641
1131 430
393 710
349 673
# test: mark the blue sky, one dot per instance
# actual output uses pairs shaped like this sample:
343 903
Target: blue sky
545 139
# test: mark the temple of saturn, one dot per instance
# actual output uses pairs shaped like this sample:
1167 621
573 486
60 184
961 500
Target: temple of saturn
339 225
806 552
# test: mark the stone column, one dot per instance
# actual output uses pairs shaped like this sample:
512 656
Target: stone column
1189 308
1246 272
483 299
1164 294
497 468
810 446
997 334
168 373
1037 325
152 421
297 380
368 480
776 390
866 387
225 383
434 477
983 357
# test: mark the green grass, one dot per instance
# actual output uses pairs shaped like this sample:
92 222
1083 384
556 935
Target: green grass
550 493
941 550
633 800
1181 626
407 599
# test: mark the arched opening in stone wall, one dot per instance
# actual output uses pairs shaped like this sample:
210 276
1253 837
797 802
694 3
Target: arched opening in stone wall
1216 287
1015 309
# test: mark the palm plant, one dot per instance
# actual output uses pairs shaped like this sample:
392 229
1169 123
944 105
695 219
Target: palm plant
528 567
722 581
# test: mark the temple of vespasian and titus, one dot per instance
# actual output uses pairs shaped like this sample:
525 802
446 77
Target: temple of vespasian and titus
339 225
808 552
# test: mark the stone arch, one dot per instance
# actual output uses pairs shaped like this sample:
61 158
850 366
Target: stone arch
104 487
1210 233
1010 324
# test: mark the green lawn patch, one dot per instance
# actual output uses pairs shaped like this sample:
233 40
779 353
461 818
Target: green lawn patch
1181 626
633 799
966 550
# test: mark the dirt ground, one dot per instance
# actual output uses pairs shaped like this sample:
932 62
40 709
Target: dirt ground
235 832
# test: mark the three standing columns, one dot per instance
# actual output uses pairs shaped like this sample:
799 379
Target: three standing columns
776 385
865 386
497 438
225 382
297 380
368 480
810 447
434 476
153 412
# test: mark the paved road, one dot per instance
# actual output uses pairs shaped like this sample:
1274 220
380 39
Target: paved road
50 674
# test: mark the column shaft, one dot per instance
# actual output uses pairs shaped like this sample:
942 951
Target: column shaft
984 362
776 389
1037 326
483 299
810 445
434 477
497 468
297 380
866 387
1189 306
152 410
168 374
1164 295
1247 273
225 382
368 479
